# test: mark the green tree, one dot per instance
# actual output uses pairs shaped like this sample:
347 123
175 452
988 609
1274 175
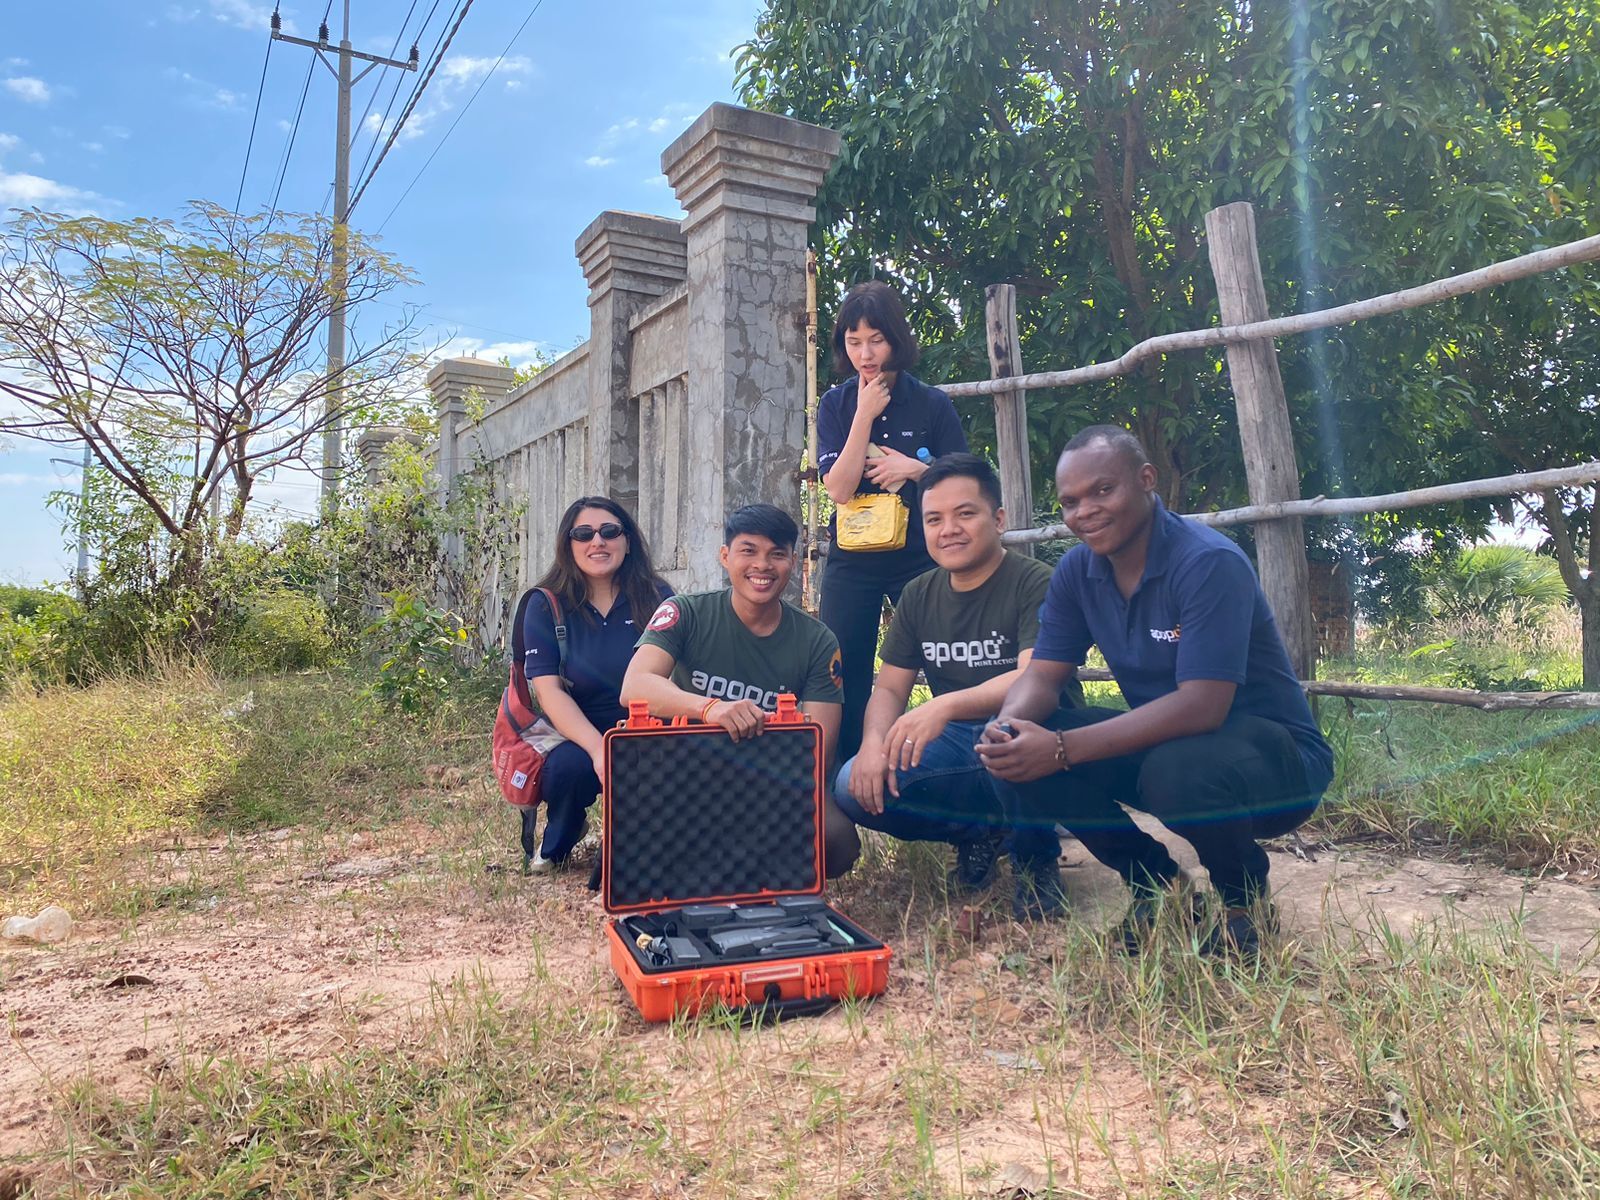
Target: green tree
1073 149
186 353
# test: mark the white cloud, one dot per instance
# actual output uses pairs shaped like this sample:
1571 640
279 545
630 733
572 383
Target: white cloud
520 353
24 479
29 89
671 119
656 181
462 69
597 160
9 141
21 190
255 18
12 64
94 147
513 85
204 92
118 132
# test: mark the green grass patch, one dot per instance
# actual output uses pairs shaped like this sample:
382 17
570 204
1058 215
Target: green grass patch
91 774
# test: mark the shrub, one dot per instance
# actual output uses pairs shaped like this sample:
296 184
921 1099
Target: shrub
278 629
1498 583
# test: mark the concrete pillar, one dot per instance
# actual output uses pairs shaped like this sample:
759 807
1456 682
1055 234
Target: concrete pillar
628 259
374 441
450 383
747 181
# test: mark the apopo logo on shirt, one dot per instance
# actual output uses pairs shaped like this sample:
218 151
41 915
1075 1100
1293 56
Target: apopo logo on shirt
720 687
979 652
1170 636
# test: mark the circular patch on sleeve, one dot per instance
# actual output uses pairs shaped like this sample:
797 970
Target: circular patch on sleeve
665 617
836 669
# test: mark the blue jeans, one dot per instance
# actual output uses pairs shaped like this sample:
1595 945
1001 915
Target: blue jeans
948 797
1220 791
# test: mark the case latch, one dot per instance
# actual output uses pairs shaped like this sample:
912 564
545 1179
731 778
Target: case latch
639 716
788 711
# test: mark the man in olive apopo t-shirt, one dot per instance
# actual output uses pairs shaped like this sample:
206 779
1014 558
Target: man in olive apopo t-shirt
726 656
969 626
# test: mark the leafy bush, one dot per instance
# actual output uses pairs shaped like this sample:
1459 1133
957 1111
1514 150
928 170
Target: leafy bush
279 629
1497 583
423 654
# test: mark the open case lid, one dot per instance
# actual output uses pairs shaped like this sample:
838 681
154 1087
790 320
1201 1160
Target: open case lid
693 816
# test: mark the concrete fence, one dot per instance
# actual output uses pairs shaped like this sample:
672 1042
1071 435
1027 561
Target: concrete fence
688 398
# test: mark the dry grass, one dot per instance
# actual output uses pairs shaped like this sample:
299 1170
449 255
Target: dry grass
1436 1062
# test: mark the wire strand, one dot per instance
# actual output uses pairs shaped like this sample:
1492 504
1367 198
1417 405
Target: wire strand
261 87
481 85
394 93
411 105
288 150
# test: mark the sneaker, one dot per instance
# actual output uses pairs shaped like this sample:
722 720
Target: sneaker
976 862
1138 924
537 864
1039 895
1239 932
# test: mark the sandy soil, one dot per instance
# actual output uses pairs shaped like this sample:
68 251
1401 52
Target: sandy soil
302 953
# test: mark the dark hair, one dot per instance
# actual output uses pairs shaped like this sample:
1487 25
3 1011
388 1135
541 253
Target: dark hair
636 579
879 306
762 520
1130 448
963 466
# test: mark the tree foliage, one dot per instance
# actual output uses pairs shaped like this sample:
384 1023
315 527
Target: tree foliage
1073 149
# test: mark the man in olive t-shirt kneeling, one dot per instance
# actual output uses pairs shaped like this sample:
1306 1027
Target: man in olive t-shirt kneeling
726 656
969 626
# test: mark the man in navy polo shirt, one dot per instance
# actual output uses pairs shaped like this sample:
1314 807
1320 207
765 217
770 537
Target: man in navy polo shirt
1218 744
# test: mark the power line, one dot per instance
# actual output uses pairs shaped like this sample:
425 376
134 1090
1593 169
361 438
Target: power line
373 95
250 145
481 85
411 104
394 92
283 167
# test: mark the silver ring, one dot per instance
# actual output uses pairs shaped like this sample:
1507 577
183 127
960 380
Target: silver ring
911 741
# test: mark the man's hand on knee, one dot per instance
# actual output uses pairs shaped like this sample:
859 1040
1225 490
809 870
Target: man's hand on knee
1026 753
911 734
867 772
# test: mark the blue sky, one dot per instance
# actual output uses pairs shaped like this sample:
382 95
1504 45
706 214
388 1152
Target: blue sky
134 109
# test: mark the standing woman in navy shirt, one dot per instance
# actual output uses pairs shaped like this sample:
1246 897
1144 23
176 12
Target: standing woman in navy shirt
603 578
881 404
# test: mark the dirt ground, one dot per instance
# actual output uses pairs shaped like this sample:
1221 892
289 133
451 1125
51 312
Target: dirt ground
297 952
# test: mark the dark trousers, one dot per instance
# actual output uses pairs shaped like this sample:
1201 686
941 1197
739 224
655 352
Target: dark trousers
949 797
853 591
1219 791
567 787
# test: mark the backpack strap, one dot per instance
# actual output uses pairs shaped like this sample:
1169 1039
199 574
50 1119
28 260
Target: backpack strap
519 644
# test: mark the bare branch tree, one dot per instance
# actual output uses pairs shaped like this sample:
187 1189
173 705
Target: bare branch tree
204 333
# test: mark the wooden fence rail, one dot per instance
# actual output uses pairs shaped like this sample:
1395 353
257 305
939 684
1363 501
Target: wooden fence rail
1323 506
1540 261
1465 697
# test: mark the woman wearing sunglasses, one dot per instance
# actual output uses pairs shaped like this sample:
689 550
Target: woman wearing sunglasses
603 578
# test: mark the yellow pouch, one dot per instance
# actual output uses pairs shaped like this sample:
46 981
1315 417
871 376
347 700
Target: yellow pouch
872 522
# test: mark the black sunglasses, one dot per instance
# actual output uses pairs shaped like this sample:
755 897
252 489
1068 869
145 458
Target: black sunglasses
611 531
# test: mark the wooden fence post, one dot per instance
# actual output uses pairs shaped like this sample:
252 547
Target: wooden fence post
1271 470
1010 408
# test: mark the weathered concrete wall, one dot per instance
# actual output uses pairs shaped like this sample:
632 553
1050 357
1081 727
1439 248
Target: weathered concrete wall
688 399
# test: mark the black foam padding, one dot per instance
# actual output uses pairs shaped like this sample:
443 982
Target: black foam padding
695 815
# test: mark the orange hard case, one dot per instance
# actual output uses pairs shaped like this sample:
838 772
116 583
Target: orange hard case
692 817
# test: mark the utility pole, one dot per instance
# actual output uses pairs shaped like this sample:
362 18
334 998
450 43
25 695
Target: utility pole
332 433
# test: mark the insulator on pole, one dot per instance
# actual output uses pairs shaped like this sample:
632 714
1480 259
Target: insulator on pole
322 33
414 55
277 21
